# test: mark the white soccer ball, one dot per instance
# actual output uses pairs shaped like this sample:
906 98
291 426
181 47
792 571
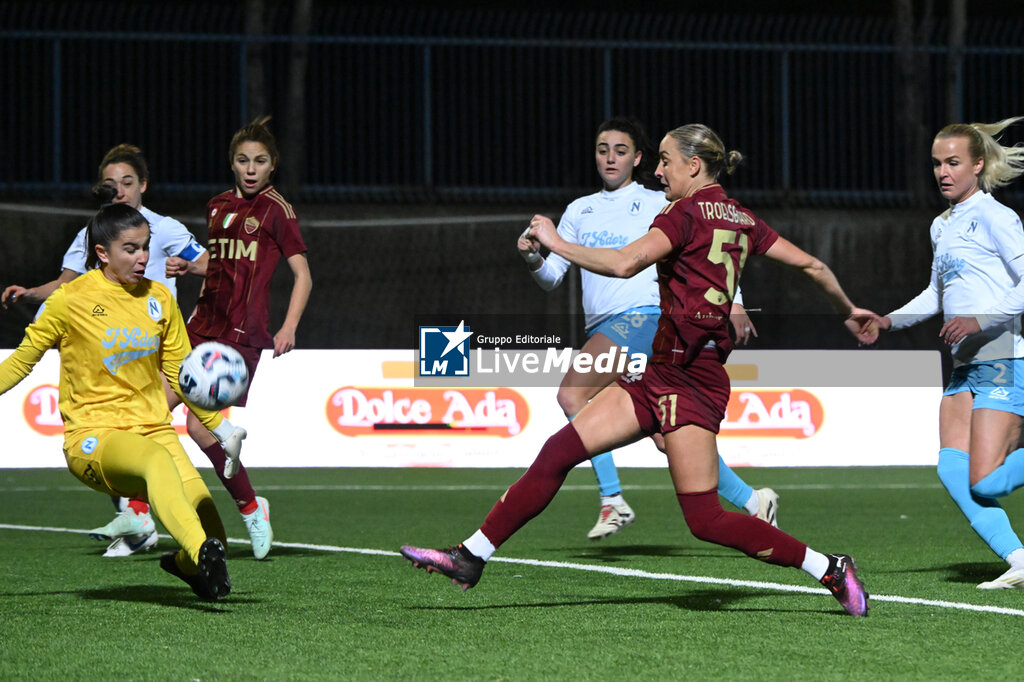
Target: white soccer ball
213 376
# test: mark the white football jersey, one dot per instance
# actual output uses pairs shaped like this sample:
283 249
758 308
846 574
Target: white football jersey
977 267
608 220
167 238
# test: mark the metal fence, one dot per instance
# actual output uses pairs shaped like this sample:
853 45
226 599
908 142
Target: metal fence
492 112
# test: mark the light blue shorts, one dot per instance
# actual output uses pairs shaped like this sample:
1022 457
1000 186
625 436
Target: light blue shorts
995 384
634 328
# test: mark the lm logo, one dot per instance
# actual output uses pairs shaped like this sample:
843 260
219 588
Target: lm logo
444 351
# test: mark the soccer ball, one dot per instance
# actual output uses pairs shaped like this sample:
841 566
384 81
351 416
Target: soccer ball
213 376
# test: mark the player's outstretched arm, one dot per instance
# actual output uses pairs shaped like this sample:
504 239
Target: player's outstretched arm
632 258
35 295
862 323
14 292
284 339
787 253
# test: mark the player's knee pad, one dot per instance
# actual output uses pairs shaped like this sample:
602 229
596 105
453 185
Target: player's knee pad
703 514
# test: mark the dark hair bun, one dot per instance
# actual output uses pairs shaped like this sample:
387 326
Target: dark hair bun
104 193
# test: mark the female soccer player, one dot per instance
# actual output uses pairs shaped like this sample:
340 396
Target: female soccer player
251 228
977 282
125 171
117 333
623 312
699 243
123 178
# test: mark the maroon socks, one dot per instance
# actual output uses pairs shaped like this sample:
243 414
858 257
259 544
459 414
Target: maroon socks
750 535
531 494
238 485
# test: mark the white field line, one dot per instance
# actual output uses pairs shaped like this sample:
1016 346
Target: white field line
608 570
502 488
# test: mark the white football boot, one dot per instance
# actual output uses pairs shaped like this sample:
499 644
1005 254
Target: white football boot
258 525
768 506
1013 579
611 519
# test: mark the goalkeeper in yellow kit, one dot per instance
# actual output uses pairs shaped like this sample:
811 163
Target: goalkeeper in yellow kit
116 333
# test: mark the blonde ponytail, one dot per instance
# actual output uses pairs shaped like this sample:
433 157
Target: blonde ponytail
1002 164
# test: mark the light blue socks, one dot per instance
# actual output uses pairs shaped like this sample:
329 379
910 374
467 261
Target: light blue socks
607 474
731 486
1006 478
987 518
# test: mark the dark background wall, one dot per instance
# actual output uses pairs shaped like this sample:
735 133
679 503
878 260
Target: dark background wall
433 103
397 113
375 283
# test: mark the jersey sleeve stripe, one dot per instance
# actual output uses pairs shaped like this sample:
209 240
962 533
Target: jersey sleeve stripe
289 212
668 207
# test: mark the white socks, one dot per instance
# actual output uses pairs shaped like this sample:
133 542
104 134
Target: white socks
479 545
815 563
1016 558
753 504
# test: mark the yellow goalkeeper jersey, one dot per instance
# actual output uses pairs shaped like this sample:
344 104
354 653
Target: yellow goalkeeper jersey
114 341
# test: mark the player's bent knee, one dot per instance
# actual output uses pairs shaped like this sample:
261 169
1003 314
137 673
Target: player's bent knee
992 486
571 401
703 514
705 529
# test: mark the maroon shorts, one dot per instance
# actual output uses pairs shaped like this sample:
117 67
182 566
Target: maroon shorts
667 397
250 355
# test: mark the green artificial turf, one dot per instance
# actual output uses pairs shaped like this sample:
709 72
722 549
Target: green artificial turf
335 601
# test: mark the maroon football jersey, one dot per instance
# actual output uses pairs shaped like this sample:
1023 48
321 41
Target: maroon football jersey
247 239
711 236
